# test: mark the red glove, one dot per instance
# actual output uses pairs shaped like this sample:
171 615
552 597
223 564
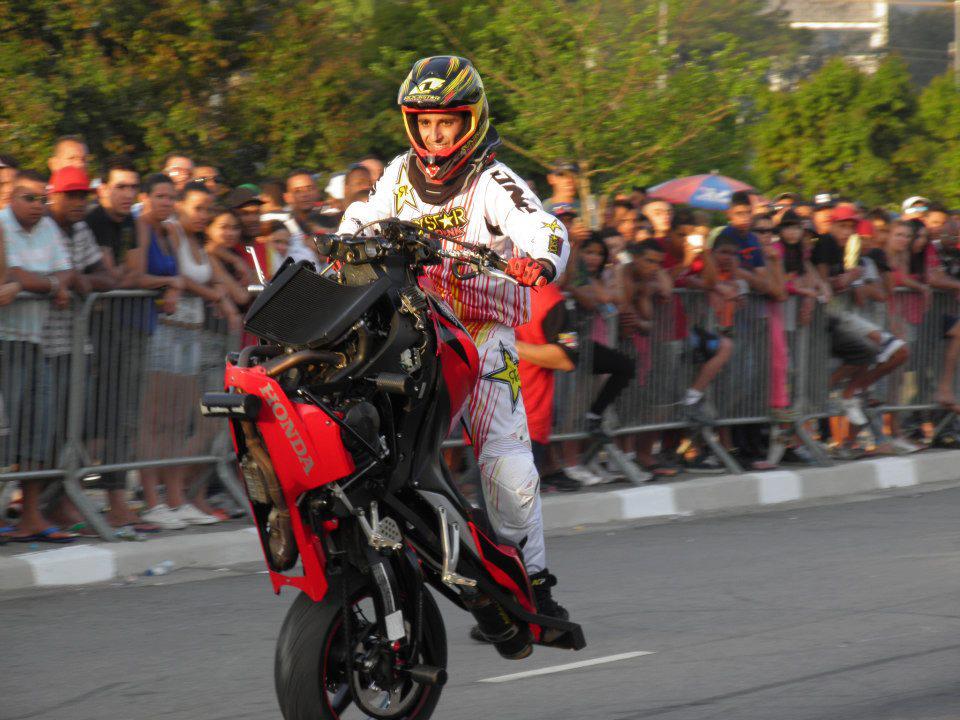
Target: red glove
526 271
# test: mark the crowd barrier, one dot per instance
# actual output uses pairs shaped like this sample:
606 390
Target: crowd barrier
109 385
106 386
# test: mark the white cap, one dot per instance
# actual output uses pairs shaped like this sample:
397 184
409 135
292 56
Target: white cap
915 200
335 188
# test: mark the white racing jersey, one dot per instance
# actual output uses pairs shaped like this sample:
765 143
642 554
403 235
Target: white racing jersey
497 209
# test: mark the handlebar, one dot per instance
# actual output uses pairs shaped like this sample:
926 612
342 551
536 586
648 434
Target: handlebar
420 248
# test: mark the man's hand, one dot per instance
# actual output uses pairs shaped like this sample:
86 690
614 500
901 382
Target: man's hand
9 291
61 300
527 272
82 284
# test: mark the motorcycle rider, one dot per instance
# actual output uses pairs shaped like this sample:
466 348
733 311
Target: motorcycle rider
449 183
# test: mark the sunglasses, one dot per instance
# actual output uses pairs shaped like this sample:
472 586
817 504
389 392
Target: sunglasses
763 231
31 198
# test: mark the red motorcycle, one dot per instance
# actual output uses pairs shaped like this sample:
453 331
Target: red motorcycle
337 419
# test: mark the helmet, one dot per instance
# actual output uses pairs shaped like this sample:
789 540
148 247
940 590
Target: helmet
445 84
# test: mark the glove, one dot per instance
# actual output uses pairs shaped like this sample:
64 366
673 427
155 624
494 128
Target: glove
528 272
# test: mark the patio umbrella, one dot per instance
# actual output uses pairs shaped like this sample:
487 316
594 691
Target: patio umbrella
710 192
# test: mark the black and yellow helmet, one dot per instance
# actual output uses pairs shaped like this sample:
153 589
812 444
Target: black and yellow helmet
445 84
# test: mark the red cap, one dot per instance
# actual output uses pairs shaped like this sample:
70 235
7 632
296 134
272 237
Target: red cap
865 228
844 212
70 179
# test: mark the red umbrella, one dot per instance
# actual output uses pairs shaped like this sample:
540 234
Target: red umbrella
710 192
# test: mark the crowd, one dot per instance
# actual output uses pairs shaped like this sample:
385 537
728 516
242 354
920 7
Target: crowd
199 242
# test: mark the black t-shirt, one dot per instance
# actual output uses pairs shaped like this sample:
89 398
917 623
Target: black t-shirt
950 259
119 237
558 329
827 251
879 258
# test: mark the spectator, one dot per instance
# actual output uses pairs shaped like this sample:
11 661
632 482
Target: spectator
935 221
739 219
275 237
223 236
176 354
946 277
247 207
914 208
562 180
828 254
374 166
8 173
69 192
36 259
68 151
271 196
211 177
179 168
357 185
111 220
545 344
593 296
302 198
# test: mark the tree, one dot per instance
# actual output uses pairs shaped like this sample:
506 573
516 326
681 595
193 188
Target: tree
595 82
934 152
841 130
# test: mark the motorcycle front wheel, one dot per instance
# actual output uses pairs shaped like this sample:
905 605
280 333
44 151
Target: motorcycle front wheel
318 676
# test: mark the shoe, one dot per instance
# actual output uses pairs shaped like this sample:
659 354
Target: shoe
477 634
705 464
854 411
541 583
582 475
888 348
799 454
699 413
192 516
163 517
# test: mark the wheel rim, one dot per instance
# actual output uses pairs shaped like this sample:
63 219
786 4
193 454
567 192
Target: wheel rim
402 701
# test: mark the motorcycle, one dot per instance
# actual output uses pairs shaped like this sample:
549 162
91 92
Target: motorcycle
337 419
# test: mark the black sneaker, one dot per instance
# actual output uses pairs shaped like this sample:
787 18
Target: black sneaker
560 481
541 583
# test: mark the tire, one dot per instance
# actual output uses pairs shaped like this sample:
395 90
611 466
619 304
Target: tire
307 640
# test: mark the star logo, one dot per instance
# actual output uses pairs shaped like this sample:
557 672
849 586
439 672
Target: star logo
446 220
509 374
403 195
552 227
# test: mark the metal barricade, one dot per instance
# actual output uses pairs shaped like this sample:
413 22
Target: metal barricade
107 386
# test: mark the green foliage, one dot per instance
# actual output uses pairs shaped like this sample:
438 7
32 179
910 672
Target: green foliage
841 130
935 149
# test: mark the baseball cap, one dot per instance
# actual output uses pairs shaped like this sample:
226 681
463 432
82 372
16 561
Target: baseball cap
823 200
787 196
915 200
70 179
865 228
565 166
242 196
790 217
844 212
563 209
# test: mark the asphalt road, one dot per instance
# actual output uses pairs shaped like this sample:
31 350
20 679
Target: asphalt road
845 612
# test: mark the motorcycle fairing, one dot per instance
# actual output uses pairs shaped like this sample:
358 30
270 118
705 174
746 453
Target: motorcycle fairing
293 432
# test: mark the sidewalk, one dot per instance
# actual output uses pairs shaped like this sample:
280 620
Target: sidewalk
235 543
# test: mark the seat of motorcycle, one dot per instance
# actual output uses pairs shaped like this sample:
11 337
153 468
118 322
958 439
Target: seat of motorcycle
301 307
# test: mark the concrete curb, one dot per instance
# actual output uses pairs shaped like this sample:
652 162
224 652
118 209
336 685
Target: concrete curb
84 564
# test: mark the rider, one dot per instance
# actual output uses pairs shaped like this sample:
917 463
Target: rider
450 184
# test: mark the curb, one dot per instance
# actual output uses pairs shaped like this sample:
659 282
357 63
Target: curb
85 564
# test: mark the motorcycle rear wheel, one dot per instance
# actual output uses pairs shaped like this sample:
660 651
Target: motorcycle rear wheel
309 668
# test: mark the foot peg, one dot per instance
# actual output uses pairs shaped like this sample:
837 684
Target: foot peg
450 544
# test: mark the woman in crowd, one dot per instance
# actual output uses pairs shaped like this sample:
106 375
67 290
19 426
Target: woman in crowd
176 247
222 236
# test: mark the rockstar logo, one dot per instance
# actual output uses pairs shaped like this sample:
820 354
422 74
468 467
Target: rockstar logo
446 220
508 374
403 195
552 227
